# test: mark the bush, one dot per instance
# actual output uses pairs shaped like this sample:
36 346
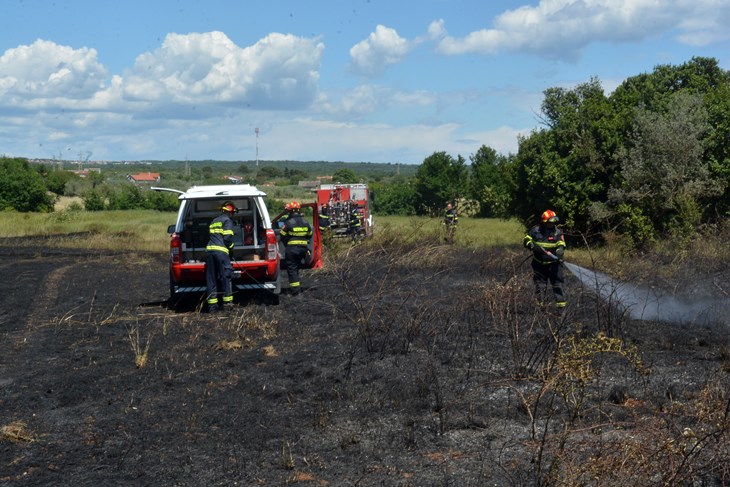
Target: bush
22 188
93 201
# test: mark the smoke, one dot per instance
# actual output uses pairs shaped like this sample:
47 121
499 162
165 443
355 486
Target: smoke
651 304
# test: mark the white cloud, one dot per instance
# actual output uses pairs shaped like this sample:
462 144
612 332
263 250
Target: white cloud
367 99
281 71
381 49
46 70
562 28
436 29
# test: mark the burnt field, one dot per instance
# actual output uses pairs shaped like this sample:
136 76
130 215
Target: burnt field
399 365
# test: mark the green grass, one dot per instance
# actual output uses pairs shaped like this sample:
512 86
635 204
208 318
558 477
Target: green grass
112 230
147 229
471 232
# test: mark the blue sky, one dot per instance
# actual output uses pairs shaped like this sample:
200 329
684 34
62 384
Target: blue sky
340 80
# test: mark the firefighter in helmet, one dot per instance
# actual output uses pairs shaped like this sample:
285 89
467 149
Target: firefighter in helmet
547 243
451 220
218 269
354 226
324 218
296 234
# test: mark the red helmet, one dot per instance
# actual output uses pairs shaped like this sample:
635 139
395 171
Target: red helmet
229 207
549 216
293 206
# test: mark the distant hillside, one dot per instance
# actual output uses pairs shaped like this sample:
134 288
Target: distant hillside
314 168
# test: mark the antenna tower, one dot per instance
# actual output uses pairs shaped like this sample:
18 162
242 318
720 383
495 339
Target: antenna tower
257 150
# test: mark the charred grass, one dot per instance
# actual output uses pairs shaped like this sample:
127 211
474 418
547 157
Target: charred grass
405 362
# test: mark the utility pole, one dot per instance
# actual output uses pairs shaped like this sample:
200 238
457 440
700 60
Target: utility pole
257 151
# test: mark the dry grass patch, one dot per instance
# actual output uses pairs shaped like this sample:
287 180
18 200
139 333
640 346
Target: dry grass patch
141 349
17 432
240 325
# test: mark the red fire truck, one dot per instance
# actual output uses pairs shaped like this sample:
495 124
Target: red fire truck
340 200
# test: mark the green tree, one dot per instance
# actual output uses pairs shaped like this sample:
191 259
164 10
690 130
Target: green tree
96 178
160 201
93 200
568 165
345 176
270 172
491 182
663 171
717 146
22 188
127 197
398 197
57 180
440 179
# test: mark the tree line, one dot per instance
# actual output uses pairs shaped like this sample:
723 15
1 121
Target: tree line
650 159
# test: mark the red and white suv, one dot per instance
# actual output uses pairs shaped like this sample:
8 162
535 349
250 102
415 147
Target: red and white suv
256 257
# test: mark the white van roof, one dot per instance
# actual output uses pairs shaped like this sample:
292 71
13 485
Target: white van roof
231 190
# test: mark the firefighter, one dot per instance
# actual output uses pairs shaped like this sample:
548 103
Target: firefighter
355 224
324 218
451 220
218 269
296 234
547 243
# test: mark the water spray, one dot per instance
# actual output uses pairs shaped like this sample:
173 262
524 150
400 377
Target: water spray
650 304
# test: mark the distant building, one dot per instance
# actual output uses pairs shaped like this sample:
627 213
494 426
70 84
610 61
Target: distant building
83 173
144 178
233 179
308 184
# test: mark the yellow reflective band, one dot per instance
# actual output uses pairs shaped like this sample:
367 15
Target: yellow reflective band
227 299
548 245
298 242
295 284
217 248
213 301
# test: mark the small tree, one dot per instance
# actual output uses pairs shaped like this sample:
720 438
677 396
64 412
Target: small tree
22 188
440 179
396 198
345 176
128 197
491 183
93 201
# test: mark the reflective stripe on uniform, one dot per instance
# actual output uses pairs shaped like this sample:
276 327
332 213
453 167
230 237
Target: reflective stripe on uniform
218 248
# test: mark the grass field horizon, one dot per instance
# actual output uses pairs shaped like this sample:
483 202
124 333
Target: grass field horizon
146 230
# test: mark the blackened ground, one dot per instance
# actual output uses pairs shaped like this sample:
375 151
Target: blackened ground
399 365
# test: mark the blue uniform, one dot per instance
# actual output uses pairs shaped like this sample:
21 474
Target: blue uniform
218 269
295 234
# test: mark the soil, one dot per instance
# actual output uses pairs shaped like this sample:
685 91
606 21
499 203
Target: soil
397 365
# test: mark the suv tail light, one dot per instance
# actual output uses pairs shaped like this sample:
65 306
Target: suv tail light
272 247
175 249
